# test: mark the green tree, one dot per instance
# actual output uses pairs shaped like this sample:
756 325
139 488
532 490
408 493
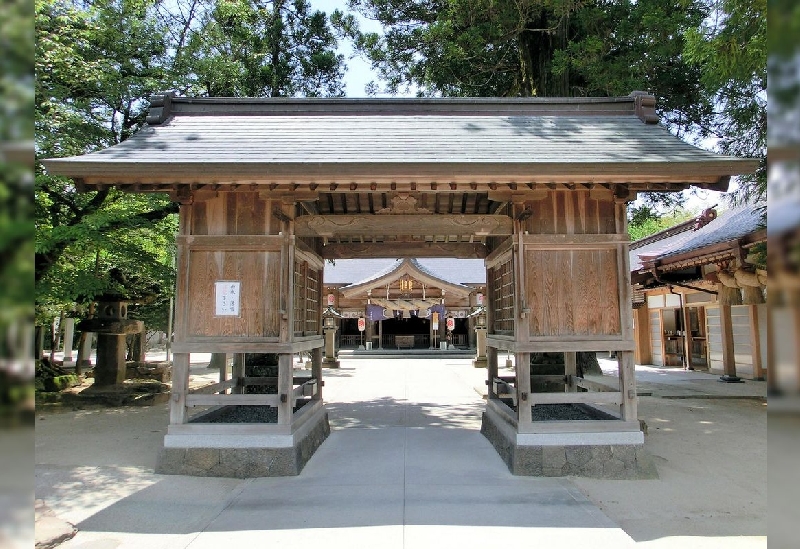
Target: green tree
730 49
95 64
482 48
645 220
259 48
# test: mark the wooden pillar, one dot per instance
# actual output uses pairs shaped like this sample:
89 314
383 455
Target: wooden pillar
431 333
755 343
380 334
687 334
571 371
727 297
180 387
627 385
316 370
285 389
522 365
369 332
491 370
644 350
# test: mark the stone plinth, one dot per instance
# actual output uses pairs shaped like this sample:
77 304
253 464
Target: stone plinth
243 456
595 455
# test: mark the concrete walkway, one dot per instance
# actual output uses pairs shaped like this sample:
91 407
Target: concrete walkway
406 467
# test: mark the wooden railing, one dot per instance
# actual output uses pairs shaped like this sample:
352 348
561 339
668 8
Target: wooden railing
215 393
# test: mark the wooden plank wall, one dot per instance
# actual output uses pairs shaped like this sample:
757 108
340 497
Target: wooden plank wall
232 216
573 288
572 212
573 292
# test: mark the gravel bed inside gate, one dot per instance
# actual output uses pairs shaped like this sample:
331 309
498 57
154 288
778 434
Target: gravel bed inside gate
567 412
238 414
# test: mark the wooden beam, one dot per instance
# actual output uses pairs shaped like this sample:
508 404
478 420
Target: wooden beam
576 398
239 243
232 400
573 241
403 224
405 249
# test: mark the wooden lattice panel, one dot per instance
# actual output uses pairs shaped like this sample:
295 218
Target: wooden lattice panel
501 298
312 305
300 269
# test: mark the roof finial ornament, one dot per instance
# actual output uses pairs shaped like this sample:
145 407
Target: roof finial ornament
160 107
645 106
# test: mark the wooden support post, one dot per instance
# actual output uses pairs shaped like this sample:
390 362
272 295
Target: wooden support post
727 297
380 334
728 352
369 332
627 385
180 387
644 350
316 370
522 365
491 370
286 404
755 343
571 371
687 334
237 373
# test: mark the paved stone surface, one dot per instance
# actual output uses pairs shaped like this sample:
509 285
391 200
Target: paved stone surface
405 467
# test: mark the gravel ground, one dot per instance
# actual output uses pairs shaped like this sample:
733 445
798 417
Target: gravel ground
242 414
239 414
564 412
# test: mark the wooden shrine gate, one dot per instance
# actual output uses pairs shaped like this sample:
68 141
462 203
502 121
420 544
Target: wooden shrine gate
270 189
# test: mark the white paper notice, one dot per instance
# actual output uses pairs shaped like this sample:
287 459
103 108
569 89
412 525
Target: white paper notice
227 297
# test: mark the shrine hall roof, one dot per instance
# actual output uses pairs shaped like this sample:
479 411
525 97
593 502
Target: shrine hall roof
476 141
360 271
740 225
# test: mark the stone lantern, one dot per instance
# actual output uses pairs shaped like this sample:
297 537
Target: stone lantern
329 328
480 337
111 325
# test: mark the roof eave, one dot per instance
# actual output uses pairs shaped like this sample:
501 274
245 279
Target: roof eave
714 173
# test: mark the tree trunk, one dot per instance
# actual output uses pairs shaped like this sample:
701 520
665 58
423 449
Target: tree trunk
218 361
587 364
55 342
276 33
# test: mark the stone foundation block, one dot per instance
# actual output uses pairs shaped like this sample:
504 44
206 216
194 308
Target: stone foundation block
244 462
608 461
